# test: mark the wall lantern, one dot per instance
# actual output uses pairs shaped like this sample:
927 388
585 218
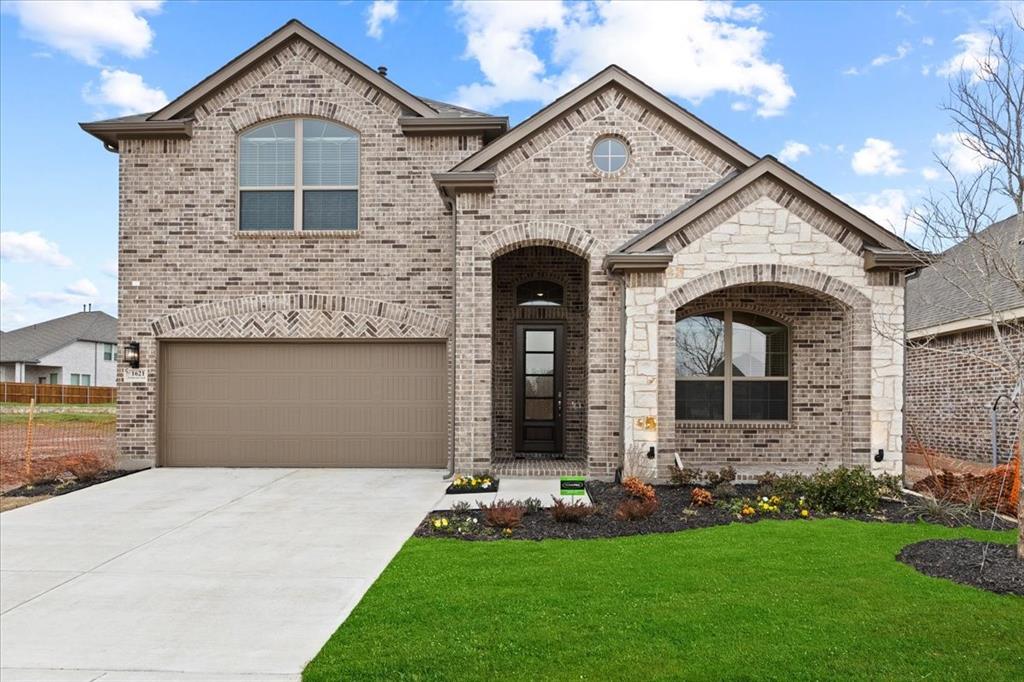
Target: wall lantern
131 354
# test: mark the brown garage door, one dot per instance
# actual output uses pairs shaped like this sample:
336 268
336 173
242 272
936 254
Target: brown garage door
338 404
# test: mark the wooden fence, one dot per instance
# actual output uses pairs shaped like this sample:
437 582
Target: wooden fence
13 392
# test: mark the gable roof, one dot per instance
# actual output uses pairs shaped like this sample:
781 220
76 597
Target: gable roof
294 28
730 185
31 343
175 119
618 76
958 286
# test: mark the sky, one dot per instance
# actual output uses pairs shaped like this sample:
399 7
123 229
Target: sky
848 94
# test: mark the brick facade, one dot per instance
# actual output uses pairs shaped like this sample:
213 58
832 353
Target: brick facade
551 215
570 271
950 390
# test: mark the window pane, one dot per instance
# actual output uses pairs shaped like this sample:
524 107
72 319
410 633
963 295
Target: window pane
330 209
540 340
330 154
609 155
272 210
540 409
86 379
760 347
760 400
540 387
703 400
266 156
74 379
700 346
540 363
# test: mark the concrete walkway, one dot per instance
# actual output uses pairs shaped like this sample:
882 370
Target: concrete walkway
197 574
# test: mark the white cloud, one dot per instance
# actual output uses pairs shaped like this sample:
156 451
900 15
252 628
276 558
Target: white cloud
792 151
902 50
877 157
929 174
973 55
380 11
902 13
6 293
928 41
958 149
126 91
82 287
109 268
888 208
88 29
687 50
31 247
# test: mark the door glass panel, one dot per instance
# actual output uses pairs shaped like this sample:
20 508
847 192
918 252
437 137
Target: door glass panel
540 409
540 387
540 363
540 341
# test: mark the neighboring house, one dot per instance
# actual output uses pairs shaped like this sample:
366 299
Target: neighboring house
78 349
953 376
322 269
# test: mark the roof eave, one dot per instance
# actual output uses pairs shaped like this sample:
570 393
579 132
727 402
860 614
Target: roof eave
452 183
490 127
649 261
112 132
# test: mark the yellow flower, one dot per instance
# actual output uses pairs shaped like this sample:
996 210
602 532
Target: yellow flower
804 513
444 522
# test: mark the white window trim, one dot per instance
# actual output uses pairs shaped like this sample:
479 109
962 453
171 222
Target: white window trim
298 185
728 377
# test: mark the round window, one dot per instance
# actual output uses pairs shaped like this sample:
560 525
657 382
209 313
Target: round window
610 154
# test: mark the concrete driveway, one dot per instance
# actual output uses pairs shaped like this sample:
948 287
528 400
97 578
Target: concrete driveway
197 574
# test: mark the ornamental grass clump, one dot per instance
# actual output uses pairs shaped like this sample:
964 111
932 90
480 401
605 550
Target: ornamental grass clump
570 512
503 514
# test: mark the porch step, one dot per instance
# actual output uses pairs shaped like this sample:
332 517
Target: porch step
538 468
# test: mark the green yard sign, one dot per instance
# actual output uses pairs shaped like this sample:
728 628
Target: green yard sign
573 485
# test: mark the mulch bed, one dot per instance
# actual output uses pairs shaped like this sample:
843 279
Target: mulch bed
674 514
62 488
960 561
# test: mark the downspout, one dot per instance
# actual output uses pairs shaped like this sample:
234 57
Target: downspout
622 377
454 331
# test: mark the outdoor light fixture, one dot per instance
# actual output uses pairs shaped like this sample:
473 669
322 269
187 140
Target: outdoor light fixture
880 455
131 354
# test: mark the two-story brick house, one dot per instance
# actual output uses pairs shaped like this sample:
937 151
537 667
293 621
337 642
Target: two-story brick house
322 269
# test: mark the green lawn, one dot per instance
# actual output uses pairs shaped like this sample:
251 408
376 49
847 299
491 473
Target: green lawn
47 417
784 600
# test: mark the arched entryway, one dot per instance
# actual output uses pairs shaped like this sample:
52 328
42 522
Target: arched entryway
539 355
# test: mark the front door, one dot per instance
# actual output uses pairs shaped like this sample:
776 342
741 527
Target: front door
538 383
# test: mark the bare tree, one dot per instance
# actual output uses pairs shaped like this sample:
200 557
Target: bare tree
986 106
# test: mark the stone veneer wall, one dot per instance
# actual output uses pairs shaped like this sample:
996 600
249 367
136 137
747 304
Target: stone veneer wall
950 391
178 237
814 436
524 265
767 235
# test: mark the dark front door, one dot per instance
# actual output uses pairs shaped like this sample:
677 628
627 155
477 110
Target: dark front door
538 388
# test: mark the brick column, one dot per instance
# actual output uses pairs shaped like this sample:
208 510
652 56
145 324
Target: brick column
643 291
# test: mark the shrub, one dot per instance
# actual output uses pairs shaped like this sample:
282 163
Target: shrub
699 497
725 491
636 509
847 490
724 475
532 505
891 485
570 512
767 480
460 507
684 475
503 513
638 489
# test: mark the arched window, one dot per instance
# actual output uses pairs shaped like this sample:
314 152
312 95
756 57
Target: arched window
539 293
731 366
300 174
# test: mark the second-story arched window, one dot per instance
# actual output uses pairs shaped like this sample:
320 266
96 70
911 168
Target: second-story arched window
298 174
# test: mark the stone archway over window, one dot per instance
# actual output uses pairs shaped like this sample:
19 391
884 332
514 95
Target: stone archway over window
301 316
856 429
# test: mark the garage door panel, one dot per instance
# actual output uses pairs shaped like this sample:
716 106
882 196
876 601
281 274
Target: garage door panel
303 404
